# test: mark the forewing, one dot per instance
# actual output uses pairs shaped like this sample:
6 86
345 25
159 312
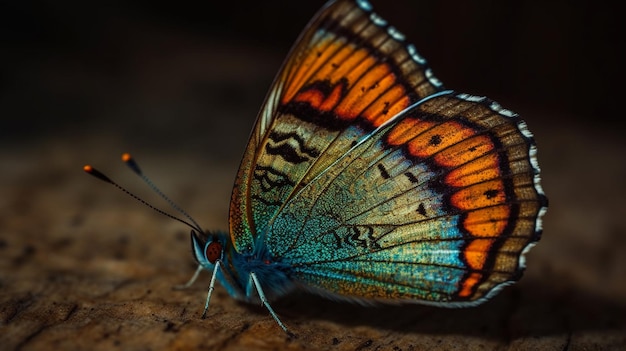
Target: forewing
438 205
348 73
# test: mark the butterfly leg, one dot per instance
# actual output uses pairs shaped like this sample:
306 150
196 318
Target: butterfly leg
257 285
211 287
191 281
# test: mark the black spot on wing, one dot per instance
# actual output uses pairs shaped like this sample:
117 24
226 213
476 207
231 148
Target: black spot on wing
410 177
383 171
490 194
421 209
435 140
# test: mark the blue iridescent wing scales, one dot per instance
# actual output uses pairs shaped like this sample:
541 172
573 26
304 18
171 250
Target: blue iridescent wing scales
437 206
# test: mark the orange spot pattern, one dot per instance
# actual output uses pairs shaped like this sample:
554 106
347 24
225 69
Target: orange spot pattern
318 100
469 283
360 85
473 171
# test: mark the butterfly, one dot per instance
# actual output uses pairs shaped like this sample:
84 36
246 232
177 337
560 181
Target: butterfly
365 180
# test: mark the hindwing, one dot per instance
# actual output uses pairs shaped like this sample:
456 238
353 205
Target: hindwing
437 205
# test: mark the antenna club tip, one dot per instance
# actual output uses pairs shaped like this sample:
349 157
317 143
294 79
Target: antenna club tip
126 157
94 172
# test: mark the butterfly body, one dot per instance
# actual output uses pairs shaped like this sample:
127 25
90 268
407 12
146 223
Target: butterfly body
235 268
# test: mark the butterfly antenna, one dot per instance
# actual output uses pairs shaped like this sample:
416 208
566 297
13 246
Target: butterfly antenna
132 164
94 172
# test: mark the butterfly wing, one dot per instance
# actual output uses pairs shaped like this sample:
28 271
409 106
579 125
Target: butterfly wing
437 205
347 74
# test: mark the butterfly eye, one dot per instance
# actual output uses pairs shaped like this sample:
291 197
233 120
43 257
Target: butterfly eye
213 251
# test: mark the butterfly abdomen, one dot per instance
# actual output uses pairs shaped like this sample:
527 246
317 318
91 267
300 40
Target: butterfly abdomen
272 275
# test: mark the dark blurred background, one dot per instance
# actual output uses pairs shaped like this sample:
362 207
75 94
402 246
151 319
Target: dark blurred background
142 67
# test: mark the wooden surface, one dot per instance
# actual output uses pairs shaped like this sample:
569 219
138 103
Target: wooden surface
84 267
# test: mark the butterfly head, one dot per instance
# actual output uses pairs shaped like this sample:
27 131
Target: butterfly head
207 249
